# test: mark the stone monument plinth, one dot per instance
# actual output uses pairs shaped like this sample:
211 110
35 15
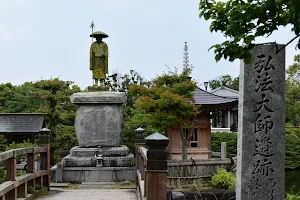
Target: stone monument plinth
98 125
98 118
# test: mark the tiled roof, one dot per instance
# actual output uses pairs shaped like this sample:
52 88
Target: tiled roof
21 123
203 97
225 92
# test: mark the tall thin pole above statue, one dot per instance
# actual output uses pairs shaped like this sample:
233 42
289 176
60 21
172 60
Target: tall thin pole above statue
92 26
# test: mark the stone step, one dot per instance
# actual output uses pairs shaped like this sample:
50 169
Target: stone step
97 185
104 151
121 161
59 184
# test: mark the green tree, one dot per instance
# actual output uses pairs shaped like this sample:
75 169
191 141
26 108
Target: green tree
133 117
168 101
225 80
241 21
6 94
293 92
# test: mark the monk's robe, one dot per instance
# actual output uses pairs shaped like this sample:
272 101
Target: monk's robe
99 60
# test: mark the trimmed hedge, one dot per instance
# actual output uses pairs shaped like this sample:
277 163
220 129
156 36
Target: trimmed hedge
228 137
292 148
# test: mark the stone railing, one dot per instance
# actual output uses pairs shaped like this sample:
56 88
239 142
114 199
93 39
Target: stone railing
17 186
182 174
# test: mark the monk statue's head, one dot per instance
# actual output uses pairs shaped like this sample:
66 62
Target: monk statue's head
98 38
99 35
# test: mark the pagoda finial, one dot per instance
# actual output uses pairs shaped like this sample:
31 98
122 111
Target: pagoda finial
185 56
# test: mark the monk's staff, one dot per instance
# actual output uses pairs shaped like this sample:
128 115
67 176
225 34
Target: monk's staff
92 26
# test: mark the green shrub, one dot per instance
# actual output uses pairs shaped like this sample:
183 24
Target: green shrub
292 197
24 144
292 148
197 184
20 172
223 180
38 187
2 143
229 138
65 139
2 175
30 190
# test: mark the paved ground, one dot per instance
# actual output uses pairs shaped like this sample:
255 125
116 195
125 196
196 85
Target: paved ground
90 194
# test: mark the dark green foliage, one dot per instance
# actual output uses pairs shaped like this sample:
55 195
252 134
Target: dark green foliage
24 144
45 96
293 92
38 187
241 22
133 118
64 141
2 175
168 101
229 138
225 80
2 143
292 147
30 190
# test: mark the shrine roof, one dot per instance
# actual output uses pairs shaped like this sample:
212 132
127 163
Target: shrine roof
207 99
21 123
225 92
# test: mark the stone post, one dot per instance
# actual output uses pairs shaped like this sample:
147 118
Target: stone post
156 172
44 137
228 120
139 137
223 150
261 127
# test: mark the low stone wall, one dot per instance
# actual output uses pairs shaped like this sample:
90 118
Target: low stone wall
213 130
98 174
212 194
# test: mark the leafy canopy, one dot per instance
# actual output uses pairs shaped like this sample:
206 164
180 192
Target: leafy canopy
168 100
241 21
293 93
225 80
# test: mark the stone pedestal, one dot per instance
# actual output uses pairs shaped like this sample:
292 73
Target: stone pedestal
98 118
98 126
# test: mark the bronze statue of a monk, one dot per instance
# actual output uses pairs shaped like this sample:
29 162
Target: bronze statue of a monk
99 57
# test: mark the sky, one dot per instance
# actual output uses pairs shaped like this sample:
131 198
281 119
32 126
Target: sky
50 39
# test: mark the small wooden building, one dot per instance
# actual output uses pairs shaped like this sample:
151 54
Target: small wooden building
17 127
200 145
224 120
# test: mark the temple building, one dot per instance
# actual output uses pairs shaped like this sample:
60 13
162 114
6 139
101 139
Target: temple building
224 121
17 127
200 145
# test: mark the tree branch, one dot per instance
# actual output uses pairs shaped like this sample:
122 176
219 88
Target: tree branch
287 44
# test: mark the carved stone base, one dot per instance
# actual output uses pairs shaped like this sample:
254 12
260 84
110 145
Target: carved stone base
87 157
99 118
96 174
